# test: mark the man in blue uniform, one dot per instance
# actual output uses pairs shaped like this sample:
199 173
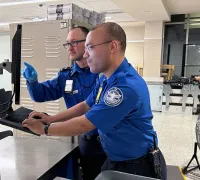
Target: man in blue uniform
74 85
119 107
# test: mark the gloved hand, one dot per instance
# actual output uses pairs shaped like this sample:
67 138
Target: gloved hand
29 73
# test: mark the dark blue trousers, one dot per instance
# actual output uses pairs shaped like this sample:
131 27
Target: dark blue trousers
92 156
142 166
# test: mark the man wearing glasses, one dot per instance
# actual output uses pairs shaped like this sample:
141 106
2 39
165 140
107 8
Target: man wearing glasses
74 85
119 107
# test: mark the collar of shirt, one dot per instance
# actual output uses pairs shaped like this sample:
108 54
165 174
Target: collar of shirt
124 65
76 68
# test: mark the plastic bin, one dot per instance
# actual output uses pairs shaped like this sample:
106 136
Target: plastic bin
114 175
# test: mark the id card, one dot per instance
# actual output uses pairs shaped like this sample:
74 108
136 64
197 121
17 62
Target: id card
68 86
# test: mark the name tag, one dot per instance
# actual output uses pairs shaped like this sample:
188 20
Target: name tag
68 86
75 92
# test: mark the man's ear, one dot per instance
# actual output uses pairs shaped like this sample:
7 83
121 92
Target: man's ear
114 45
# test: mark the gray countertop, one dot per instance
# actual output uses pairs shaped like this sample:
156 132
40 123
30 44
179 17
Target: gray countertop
153 80
27 158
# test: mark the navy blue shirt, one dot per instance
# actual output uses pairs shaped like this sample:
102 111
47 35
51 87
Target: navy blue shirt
123 114
83 84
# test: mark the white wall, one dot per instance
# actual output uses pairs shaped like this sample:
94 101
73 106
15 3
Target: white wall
135 45
152 48
5 79
144 47
134 32
135 53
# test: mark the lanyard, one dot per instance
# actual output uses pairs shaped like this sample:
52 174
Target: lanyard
99 93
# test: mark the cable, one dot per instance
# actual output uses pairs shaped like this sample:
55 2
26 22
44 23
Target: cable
9 104
8 100
4 111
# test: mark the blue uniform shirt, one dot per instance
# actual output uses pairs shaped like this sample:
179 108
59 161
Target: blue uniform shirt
83 84
123 114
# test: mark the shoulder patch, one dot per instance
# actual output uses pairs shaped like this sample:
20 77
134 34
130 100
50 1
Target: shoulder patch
66 69
113 97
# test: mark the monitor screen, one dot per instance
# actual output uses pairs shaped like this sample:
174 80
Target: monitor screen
16 62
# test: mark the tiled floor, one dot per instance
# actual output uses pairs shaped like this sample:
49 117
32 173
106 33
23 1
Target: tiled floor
176 134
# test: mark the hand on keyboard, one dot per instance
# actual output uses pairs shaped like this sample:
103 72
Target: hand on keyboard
41 116
34 125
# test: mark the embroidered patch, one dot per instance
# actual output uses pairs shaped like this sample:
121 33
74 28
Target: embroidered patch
113 97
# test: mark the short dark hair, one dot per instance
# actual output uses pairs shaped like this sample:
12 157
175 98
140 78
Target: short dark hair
82 28
114 32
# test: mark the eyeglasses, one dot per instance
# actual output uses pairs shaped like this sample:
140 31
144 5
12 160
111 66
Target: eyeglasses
73 43
89 48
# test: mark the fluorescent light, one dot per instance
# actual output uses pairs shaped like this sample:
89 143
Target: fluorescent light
23 2
153 38
39 19
4 24
135 41
21 22
108 17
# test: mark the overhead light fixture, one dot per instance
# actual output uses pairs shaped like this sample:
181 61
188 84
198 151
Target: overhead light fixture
31 20
22 2
114 11
39 19
4 24
135 41
108 17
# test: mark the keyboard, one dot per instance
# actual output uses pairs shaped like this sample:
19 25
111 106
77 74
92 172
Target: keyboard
14 119
19 115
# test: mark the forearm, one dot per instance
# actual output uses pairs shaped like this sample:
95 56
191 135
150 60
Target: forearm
75 111
45 91
73 127
36 91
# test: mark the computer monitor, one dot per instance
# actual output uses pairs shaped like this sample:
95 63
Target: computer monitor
16 62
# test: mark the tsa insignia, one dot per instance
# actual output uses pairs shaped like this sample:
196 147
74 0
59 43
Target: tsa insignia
113 97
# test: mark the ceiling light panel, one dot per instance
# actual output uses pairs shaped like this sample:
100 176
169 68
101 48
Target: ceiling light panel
14 3
105 5
122 17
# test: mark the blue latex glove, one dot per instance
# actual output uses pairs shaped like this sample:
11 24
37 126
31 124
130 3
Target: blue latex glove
29 73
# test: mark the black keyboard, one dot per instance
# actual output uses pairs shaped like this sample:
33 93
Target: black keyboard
14 119
19 115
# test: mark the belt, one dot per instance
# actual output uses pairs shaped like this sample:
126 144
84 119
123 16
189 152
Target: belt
138 160
91 137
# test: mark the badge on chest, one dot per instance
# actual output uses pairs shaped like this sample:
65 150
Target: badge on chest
69 86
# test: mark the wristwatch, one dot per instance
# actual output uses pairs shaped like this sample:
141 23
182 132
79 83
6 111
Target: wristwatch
46 128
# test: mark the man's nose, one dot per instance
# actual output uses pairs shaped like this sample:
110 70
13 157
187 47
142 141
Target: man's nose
86 54
70 47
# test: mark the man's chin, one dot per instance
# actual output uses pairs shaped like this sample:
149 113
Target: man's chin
72 59
93 70
75 58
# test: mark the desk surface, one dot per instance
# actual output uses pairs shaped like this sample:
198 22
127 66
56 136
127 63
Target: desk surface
29 158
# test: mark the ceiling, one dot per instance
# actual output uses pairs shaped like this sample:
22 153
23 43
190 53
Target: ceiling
183 6
124 12
144 10
32 11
